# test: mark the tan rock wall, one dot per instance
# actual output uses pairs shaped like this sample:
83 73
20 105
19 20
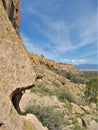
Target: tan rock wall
35 58
12 8
15 72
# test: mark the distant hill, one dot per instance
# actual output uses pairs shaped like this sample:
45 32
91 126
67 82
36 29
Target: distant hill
87 66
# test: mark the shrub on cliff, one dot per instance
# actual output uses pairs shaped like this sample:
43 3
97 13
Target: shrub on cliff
67 94
42 89
92 90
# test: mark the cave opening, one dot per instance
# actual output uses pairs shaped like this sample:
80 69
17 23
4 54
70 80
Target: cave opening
16 96
1 124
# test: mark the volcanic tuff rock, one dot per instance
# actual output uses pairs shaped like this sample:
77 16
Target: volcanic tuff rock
16 75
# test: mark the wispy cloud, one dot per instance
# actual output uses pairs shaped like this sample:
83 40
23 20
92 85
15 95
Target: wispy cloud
33 47
67 25
73 61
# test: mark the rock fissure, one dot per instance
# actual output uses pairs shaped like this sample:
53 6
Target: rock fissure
1 124
12 8
4 4
16 96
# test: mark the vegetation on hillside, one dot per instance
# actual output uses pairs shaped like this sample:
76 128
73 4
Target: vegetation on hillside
50 118
81 77
62 92
91 91
77 88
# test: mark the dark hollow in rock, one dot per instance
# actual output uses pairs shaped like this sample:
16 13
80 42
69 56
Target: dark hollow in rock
13 12
4 4
16 96
1 124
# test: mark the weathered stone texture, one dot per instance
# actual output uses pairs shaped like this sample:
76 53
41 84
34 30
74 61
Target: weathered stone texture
12 8
15 71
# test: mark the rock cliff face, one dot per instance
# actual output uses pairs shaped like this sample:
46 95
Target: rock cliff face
16 72
13 11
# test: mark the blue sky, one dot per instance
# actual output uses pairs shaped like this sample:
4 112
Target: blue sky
61 30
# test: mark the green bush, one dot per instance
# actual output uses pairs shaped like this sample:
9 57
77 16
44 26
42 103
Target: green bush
42 89
79 128
2 36
65 93
92 90
50 118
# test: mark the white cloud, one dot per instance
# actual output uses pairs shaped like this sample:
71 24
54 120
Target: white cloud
89 53
73 61
58 31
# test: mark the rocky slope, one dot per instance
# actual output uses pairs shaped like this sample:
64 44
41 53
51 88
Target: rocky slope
40 59
55 90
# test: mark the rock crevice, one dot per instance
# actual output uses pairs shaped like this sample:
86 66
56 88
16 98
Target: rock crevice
1 124
12 8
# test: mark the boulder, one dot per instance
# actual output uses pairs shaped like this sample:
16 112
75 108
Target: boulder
93 105
87 109
79 121
75 109
35 123
93 125
89 122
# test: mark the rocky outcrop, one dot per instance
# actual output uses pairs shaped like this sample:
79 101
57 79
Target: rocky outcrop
75 109
90 122
16 72
41 59
36 125
12 8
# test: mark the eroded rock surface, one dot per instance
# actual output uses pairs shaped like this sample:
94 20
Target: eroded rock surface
12 8
16 72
